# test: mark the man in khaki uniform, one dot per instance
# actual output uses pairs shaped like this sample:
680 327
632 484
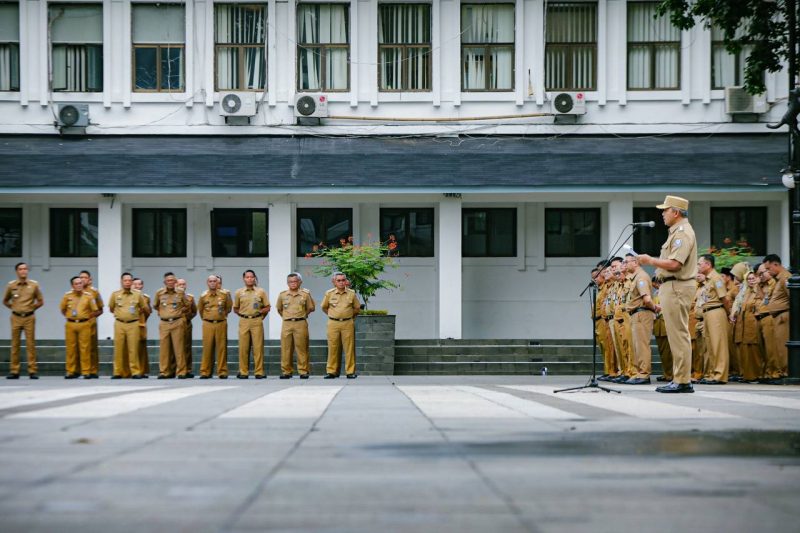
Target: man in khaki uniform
171 305
716 307
676 267
341 305
696 330
641 309
191 312
778 307
23 297
600 325
294 305
86 276
126 305
214 307
621 322
80 309
144 359
607 312
251 303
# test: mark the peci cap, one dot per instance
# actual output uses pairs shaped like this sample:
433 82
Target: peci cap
674 201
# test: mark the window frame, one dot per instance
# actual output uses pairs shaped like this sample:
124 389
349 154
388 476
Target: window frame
739 63
576 253
404 53
240 56
158 47
300 210
18 212
322 51
248 213
736 210
651 51
570 46
14 46
135 212
406 213
85 45
487 52
490 211
70 211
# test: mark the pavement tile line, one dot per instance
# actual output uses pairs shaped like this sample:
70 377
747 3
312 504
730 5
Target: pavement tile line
626 404
292 402
14 399
757 399
117 405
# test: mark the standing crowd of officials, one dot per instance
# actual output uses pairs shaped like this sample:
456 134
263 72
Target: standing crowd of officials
175 309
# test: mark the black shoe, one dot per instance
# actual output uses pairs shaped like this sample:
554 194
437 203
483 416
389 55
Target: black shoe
72 376
162 376
261 376
12 376
183 376
735 379
705 381
33 375
662 379
767 381
223 377
86 376
116 376
286 376
675 388
190 375
242 376
145 376
94 376
137 376
330 376
622 378
638 381
204 377
303 376
352 376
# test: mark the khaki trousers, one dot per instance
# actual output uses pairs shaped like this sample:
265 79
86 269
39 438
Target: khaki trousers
751 361
341 335
95 368
780 328
698 353
215 345
144 358
666 356
733 362
601 334
251 335
78 339
642 331
715 331
611 339
623 334
294 336
18 326
172 340
676 300
766 332
126 349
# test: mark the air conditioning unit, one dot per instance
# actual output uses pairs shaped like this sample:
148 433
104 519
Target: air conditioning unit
237 104
568 103
738 101
73 115
311 105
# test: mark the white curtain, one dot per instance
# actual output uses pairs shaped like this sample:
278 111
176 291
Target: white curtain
489 24
237 26
77 54
9 67
653 44
405 25
321 24
571 36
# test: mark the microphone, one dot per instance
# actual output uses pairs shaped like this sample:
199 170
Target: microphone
650 224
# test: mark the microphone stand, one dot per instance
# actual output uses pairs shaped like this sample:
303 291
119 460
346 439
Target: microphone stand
592 288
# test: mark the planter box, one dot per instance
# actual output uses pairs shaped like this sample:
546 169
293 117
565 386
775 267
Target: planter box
375 344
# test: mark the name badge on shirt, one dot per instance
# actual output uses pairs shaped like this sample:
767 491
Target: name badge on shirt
256 305
174 305
132 309
74 312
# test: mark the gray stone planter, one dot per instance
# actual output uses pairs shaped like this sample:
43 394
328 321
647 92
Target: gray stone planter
375 344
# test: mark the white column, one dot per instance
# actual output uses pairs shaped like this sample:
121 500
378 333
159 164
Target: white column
620 214
109 258
450 268
281 255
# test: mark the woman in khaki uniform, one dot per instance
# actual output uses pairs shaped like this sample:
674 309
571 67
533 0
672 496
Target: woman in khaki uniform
745 333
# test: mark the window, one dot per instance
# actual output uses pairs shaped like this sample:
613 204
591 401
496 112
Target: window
73 232
158 47
159 233
571 46
10 232
572 232
489 232
322 226
240 37
77 53
323 47
487 47
412 229
239 233
9 47
404 47
649 240
739 226
654 49
727 69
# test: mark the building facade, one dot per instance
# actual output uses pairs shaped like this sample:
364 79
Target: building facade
443 128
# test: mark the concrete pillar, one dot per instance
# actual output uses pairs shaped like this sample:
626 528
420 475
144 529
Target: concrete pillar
281 257
620 214
109 258
449 264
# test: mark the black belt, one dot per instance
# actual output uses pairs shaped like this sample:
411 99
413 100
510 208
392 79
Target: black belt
759 317
712 309
700 319
127 321
779 313
78 320
598 318
340 319
670 278
293 319
248 316
213 321
609 317
22 315
171 319
639 309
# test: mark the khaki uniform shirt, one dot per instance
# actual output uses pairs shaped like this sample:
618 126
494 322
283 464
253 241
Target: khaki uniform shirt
191 307
145 311
599 303
764 293
98 300
250 302
23 296
297 305
126 305
76 306
622 299
608 300
170 304
640 286
681 246
713 291
341 304
215 305
779 300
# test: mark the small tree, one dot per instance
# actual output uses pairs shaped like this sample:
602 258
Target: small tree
730 254
362 264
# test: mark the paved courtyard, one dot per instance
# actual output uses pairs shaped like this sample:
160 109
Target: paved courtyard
395 453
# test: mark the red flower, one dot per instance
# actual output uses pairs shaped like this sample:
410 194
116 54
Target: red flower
727 240
392 245
308 255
